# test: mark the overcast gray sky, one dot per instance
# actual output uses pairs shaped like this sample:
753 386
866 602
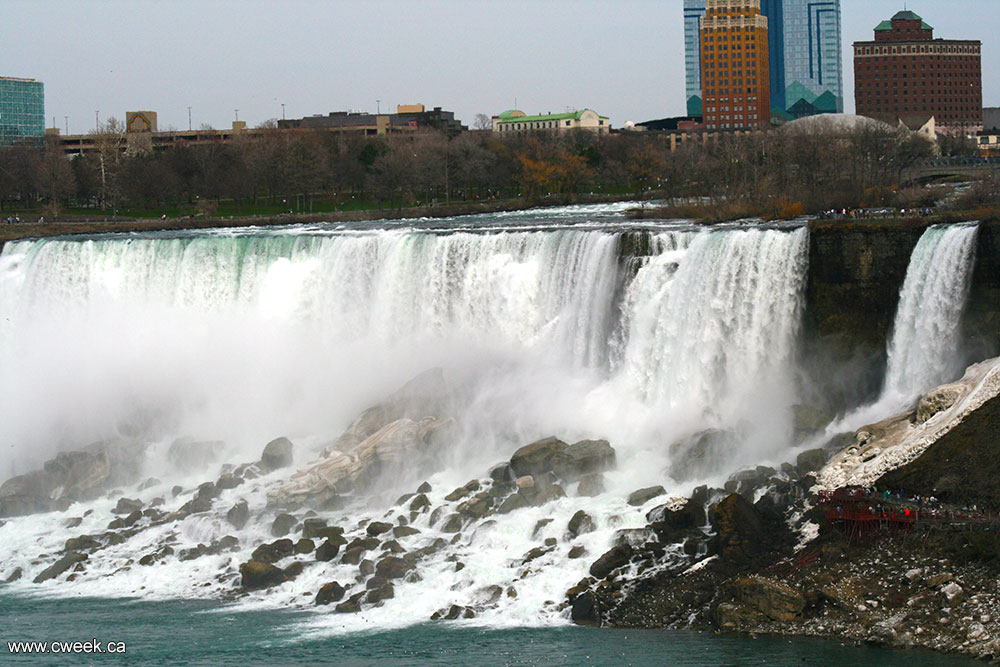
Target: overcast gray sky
625 59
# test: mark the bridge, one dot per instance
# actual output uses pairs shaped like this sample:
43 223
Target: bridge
945 167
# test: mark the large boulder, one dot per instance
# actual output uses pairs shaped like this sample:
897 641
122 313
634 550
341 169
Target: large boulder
258 574
238 514
536 458
774 599
60 566
424 395
393 567
611 560
283 524
273 552
743 535
331 592
642 496
583 458
277 454
397 447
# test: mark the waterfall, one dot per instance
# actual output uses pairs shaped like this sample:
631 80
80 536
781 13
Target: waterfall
923 350
241 337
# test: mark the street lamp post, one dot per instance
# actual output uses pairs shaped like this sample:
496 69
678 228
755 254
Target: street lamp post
189 119
282 111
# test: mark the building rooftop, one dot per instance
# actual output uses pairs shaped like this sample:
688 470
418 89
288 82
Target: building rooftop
902 16
505 117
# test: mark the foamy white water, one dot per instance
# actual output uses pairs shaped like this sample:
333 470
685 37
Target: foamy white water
242 338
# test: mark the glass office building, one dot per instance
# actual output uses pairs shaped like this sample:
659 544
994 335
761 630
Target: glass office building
22 110
812 59
694 11
804 58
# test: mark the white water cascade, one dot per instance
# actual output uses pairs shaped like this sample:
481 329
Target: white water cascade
923 350
243 337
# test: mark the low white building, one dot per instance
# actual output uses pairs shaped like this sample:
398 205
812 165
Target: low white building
515 120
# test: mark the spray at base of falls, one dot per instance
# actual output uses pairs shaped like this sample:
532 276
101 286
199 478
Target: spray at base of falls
924 347
241 338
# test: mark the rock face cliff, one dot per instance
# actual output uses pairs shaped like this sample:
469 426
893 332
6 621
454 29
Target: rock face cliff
856 271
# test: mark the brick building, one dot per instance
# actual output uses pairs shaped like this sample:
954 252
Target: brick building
734 65
905 71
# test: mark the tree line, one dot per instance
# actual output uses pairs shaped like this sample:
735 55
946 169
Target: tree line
316 170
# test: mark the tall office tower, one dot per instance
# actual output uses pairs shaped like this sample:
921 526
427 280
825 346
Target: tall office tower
906 72
811 73
734 65
22 110
694 11
804 55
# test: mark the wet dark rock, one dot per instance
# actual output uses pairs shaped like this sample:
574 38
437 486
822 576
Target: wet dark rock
393 546
453 613
424 488
580 523
208 490
238 514
305 546
536 458
583 458
228 481
540 526
577 552
404 498
364 543
810 461
548 494
393 567
502 474
127 506
283 524
132 519
513 502
643 496
329 592
366 567
14 576
611 560
352 605
375 582
277 454
476 507
404 531
176 490
673 526
702 453
453 524
327 551
311 526
591 485
69 523
419 503
335 533
383 592
228 543
774 599
532 554
196 505
294 570
81 543
351 556
66 562
743 534
259 574
273 552
378 527
585 610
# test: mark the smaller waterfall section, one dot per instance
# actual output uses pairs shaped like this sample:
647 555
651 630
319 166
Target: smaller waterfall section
923 349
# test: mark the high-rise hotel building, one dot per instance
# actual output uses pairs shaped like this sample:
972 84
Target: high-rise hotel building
734 65
22 110
906 72
805 65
